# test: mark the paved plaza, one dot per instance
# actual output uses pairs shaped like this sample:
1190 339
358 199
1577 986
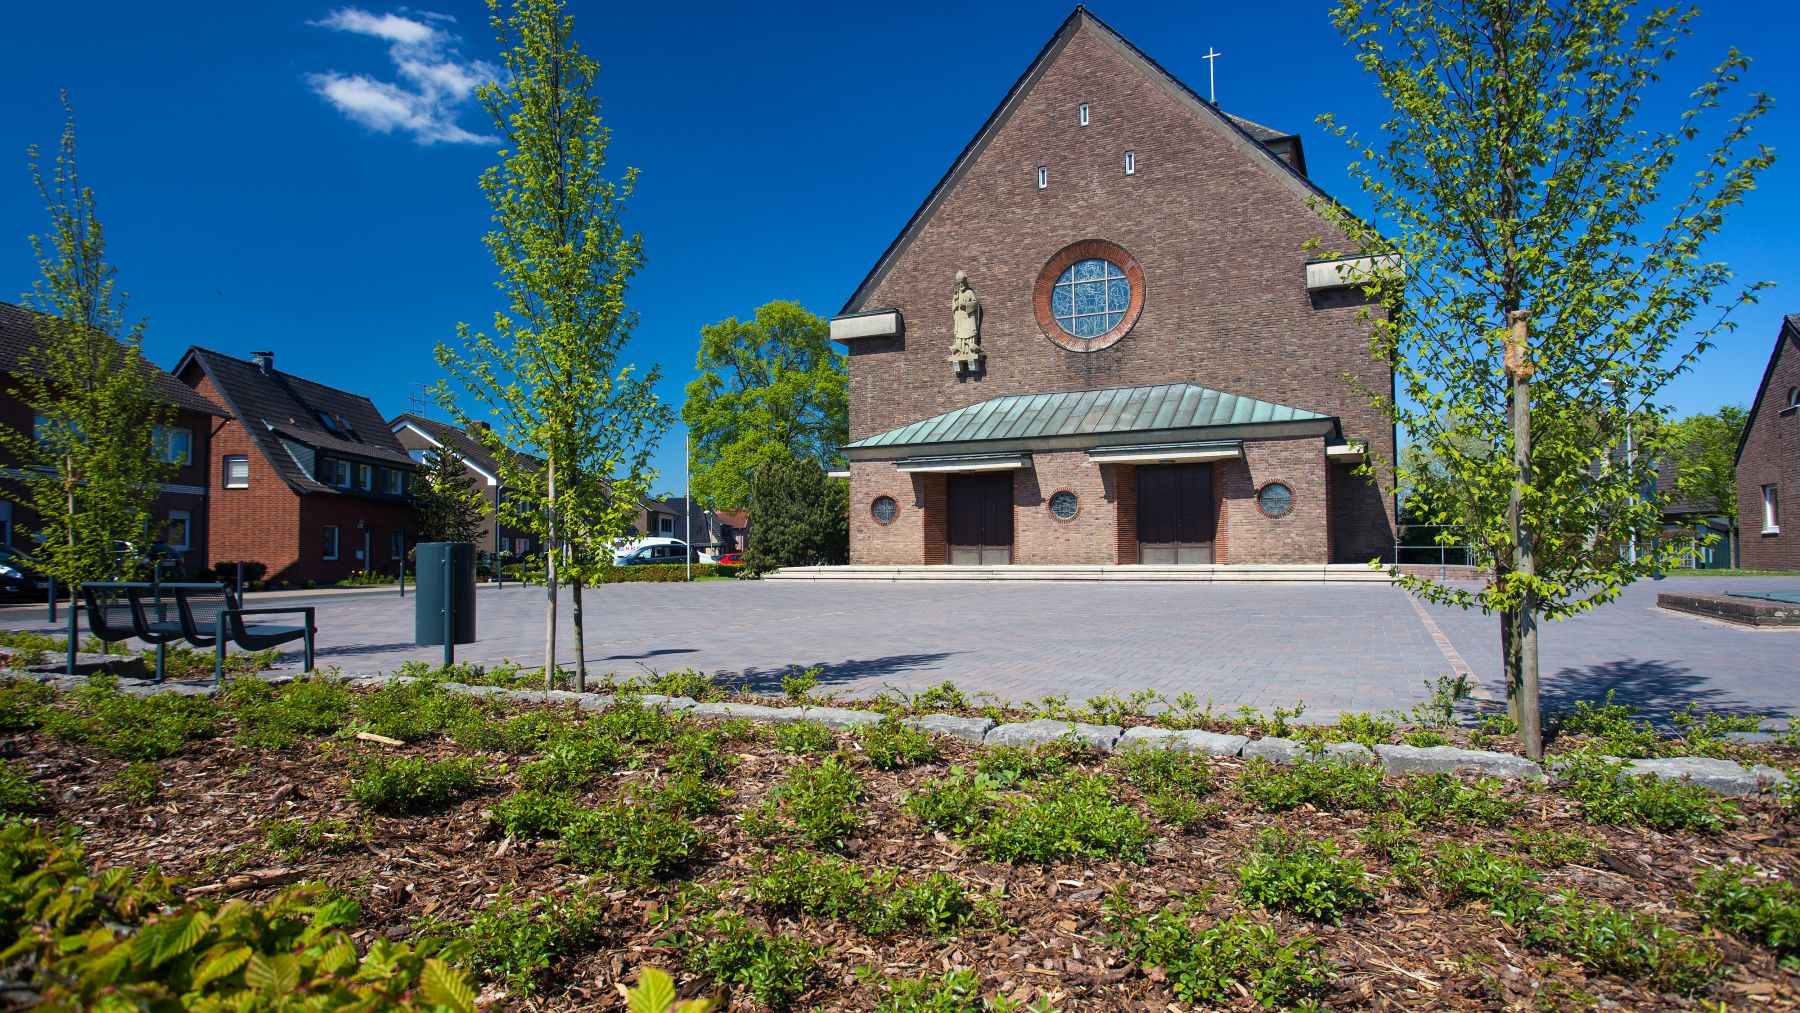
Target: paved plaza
1341 647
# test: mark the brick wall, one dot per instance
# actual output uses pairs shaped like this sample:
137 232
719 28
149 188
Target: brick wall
1771 456
1220 239
1251 536
352 517
902 540
1040 536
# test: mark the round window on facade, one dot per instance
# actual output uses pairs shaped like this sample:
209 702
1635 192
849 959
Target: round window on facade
1275 499
1089 295
1064 505
885 509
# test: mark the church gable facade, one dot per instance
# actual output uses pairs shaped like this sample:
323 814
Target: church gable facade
1101 340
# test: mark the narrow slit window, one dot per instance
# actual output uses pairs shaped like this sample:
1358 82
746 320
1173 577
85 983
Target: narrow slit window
1043 177
1131 163
1084 114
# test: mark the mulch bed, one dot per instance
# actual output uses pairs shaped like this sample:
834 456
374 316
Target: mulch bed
1406 953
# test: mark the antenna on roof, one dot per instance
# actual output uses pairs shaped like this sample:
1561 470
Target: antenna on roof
420 397
1212 89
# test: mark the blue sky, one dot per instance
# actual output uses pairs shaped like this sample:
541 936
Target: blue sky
300 176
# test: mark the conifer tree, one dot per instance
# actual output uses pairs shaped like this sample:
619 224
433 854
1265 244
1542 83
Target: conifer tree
447 502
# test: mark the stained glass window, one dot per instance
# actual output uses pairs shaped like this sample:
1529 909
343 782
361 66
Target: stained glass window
1275 499
1064 505
1090 297
884 508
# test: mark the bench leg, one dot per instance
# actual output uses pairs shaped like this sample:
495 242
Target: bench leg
219 652
162 658
309 649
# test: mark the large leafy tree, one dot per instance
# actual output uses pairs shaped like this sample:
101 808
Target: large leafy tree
551 371
447 502
771 390
1703 452
801 516
1545 280
93 463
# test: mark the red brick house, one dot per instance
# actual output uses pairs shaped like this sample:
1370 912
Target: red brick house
1159 369
1768 461
420 435
181 511
304 478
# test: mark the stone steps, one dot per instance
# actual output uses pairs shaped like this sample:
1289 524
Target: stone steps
1273 573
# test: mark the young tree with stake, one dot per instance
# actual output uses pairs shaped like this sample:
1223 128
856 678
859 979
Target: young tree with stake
550 371
94 466
1528 306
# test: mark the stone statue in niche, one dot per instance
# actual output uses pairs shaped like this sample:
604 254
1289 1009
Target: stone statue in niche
965 311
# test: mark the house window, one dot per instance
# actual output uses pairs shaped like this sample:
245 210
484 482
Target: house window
505 545
523 545
390 481
665 524
397 545
884 509
180 530
1275 500
1771 511
237 472
1131 163
326 420
331 541
1043 176
174 445
365 477
336 473
49 432
1793 397
1084 114
417 455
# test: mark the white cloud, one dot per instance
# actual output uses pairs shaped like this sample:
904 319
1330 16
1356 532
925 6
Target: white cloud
436 81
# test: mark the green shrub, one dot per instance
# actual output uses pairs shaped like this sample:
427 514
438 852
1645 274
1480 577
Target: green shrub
772 967
1155 771
956 804
629 838
17 793
279 717
571 759
664 573
702 753
799 683
29 648
131 727
1111 709
805 738
138 782
1438 709
1464 872
1020 763
1072 816
1446 798
1425 739
415 711
892 745
117 940
296 837
1609 796
410 785
1630 944
688 793
942 697
526 732
515 943
1303 874
467 673
817 801
688 683
1324 785
535 812
1209 966
23 703
1703 734
631 721
1613 724
880 903
1368 729
957 991
1735 899
1552 848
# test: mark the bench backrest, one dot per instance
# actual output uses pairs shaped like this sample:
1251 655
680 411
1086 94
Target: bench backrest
199 606
108 610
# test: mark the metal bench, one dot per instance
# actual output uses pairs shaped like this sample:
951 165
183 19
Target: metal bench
210 617
108 608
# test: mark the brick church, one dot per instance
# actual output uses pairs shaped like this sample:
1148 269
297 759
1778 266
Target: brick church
1102 339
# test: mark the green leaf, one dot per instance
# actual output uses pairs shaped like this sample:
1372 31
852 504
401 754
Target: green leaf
447 987
655 992
220 965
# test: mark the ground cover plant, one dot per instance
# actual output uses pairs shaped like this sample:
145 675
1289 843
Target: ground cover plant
553 855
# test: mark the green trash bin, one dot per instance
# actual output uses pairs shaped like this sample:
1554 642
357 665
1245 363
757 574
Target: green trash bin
444 596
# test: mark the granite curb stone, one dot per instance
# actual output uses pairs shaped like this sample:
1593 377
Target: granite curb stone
1290 751
967 729
1191 740
753 711
1450 759
1722 777
842 717
1045 730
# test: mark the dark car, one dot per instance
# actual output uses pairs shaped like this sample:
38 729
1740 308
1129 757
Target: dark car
19 577
652 554
732 559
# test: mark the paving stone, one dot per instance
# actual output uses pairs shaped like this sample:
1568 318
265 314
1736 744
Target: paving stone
967 729
842 717
1449 759
1191 740
1289 751
1043 730
755 712
1721 776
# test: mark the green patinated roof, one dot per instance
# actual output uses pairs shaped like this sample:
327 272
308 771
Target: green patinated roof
1089 413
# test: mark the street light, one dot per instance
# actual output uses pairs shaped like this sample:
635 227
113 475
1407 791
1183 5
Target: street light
1630 462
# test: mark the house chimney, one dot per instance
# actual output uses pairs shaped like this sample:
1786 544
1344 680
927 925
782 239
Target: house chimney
265 361
478 426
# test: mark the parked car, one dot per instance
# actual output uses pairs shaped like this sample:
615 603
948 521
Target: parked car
669 553
732 559
170 563
19 578
624 552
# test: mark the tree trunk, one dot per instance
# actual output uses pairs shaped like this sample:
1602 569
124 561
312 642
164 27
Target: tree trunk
550 550
1530 712
580 639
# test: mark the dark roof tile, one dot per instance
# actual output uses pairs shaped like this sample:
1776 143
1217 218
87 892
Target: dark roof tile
19 335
